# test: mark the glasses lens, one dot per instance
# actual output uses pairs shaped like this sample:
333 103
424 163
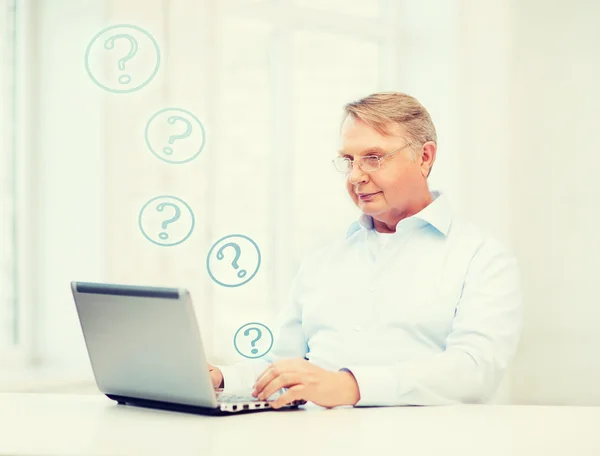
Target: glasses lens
342 164
370 163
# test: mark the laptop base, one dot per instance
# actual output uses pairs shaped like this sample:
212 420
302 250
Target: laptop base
170 406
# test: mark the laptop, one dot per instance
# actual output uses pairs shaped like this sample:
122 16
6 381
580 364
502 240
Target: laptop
145 349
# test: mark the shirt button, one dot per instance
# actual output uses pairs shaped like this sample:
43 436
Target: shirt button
357 328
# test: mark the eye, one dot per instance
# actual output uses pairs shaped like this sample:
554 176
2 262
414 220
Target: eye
343 164
371 159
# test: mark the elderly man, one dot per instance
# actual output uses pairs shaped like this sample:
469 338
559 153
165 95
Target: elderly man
415 306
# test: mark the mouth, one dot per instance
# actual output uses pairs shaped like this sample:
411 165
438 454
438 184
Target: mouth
367 196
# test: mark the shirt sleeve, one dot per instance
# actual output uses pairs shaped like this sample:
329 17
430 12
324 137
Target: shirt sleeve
485 333
288 342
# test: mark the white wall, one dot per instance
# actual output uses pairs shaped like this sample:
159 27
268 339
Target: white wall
554 197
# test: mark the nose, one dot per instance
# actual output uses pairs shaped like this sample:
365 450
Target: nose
357 175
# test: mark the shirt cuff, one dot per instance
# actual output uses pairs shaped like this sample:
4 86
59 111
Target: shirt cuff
233 379
377 385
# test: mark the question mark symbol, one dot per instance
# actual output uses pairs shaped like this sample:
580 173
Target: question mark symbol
133 48
253 343
161 207
188 131
234 263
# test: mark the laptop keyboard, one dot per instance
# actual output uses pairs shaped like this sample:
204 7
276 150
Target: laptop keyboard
233 398
235 402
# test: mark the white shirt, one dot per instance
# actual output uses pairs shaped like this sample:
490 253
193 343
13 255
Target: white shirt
379 241
432 317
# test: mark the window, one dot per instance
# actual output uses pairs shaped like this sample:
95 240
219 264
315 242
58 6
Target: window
284 71
9 312
268 79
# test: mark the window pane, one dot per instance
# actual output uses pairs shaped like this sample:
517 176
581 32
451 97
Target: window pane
241 149
364 8
328 71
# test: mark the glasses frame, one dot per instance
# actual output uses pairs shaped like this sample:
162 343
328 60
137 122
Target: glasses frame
360 160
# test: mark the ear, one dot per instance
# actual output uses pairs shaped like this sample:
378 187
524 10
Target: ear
428 151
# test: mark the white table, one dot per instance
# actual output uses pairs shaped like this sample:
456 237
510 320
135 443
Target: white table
32 423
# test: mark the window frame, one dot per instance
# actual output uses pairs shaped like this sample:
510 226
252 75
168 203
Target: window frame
22 352
285 18
7 79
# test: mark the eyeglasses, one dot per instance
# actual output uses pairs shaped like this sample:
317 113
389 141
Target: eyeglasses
368 163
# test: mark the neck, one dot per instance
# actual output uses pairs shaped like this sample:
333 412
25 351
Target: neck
386 223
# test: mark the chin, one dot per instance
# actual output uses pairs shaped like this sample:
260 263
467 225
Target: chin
370 208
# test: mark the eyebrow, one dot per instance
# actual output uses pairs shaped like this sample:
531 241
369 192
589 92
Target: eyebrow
369 151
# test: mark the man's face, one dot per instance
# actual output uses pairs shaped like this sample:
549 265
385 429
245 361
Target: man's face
391 192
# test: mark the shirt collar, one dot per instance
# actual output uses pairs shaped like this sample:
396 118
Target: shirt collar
437 214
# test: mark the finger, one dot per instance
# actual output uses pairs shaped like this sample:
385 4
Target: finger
261 376
282 381
216 378
272 372
265 378
295 393
268 371
276 368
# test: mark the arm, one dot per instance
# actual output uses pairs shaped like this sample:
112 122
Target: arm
288 342
484 338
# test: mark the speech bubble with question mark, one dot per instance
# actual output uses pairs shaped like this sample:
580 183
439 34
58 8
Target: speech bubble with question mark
188 144
152 217
161 207
228 273
254 351
188 131
130 50
262 334
220 255
133 48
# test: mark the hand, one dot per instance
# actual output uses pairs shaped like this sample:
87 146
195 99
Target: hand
306 381
216 375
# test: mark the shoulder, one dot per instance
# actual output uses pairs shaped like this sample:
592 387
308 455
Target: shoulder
482 247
